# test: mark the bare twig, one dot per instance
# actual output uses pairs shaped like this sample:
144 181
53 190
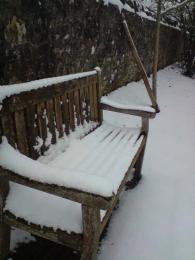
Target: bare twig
168 10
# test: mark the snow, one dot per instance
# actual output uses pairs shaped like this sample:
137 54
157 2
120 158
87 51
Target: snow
8 90
92 50
131 96
64 142
102 149
119 4
109 102
31 169
45 209
19 236
155 221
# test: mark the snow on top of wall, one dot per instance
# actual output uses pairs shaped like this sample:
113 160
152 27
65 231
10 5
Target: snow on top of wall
8 90
145 10
119 4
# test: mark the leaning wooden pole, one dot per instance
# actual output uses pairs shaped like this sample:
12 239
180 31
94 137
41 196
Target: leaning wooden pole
140 64
156 49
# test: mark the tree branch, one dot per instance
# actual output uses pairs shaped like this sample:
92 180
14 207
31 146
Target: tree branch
176 7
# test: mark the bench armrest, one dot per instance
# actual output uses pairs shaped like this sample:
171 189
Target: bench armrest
141 111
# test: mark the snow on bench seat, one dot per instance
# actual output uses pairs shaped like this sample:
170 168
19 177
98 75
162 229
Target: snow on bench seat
106 153
97 164
132 96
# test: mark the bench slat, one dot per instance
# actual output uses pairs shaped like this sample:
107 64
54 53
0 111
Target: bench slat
82 103
58 115
65 113
32 130
51 120
71 110
77 107
41 125
8 127
87 103
21 133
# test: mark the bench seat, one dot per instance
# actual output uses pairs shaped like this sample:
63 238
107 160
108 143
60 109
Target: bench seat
95 164
106 153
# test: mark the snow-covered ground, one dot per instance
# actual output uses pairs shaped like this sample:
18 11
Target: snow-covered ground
156 221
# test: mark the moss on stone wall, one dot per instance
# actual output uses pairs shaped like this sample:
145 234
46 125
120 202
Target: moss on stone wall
15 32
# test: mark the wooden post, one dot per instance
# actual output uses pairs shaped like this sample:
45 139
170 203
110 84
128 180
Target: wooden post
99 92
140 65
145 125
4 229
138 165
91 232
156 50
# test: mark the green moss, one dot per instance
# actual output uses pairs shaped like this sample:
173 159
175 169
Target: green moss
15 31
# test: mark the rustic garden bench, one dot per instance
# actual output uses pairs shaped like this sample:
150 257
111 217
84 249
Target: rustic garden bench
62 167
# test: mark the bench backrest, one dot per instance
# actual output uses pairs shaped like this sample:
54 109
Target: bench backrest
50 112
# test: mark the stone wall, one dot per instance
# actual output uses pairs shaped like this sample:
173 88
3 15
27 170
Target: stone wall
46 38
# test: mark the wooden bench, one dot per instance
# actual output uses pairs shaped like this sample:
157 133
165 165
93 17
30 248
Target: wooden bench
62 167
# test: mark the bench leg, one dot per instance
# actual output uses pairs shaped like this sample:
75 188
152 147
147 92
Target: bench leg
4 241
91 232
137 174
138 165
4 229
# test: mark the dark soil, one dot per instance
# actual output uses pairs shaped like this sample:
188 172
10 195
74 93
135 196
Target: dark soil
44 250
